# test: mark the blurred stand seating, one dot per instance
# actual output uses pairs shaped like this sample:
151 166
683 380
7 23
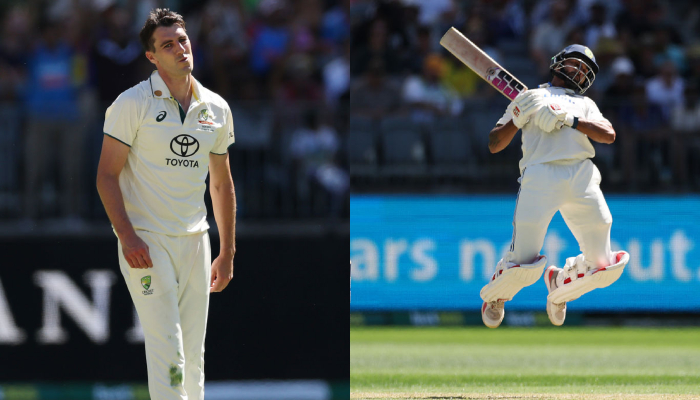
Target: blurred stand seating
272 60
451 154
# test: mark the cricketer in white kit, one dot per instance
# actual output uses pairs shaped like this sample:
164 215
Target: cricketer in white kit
161 139
556 174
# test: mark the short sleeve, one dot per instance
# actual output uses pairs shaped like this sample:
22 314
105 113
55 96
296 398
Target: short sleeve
507 116
225 136
593 113
123 117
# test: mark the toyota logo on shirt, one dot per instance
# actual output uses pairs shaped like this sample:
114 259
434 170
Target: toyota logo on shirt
184 145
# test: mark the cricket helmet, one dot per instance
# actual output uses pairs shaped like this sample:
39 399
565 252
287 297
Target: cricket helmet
583 55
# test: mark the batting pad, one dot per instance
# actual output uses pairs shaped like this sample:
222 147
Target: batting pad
509 279
593 279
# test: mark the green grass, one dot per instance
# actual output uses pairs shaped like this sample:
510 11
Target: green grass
564 360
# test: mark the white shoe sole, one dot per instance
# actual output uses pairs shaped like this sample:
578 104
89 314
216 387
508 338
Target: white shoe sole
596 279
512 280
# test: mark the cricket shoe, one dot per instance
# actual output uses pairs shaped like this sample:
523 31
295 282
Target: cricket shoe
505 283
555 312
577 279
509 278
492 313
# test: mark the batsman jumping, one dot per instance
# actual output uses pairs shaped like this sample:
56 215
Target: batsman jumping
556 174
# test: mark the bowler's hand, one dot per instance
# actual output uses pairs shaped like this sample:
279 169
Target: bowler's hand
136 252
221 273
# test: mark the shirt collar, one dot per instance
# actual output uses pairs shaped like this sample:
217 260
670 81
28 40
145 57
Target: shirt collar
549 84
160 90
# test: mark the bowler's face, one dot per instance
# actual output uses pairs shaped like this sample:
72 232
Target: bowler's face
173 53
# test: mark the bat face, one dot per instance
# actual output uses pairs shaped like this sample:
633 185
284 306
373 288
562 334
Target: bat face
504 82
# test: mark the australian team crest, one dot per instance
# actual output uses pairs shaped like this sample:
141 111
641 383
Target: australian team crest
205 117
146 283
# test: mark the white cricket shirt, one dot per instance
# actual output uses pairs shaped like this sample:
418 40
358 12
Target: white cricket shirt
163 181
561 144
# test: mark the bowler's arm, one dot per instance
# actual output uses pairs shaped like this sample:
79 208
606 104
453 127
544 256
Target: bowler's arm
223 198
501 136
112 161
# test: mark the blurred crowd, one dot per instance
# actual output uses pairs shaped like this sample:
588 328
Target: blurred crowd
283 66
648 87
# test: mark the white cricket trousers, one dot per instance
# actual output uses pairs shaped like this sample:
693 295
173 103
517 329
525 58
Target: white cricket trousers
571 187
172 301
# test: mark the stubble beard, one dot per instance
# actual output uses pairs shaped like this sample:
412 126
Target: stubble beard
190 65
181 71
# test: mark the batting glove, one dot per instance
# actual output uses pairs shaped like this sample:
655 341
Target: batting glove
569 120
547 118
526 104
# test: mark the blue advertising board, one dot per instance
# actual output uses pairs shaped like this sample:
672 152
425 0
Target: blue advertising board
437 252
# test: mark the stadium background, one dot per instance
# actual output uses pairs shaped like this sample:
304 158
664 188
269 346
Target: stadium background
67 327
431 208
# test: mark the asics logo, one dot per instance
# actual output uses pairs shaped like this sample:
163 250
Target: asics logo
161 116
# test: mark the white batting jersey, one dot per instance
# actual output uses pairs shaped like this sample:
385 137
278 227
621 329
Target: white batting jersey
564 144
163 181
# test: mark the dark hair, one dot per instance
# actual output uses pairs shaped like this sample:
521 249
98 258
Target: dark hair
158 17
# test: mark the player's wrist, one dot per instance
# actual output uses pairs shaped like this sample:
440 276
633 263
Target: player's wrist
125 233
571 121
227 253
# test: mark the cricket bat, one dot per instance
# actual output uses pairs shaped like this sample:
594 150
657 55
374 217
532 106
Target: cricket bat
484 66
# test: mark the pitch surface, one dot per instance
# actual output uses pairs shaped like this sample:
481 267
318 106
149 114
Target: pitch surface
525 363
